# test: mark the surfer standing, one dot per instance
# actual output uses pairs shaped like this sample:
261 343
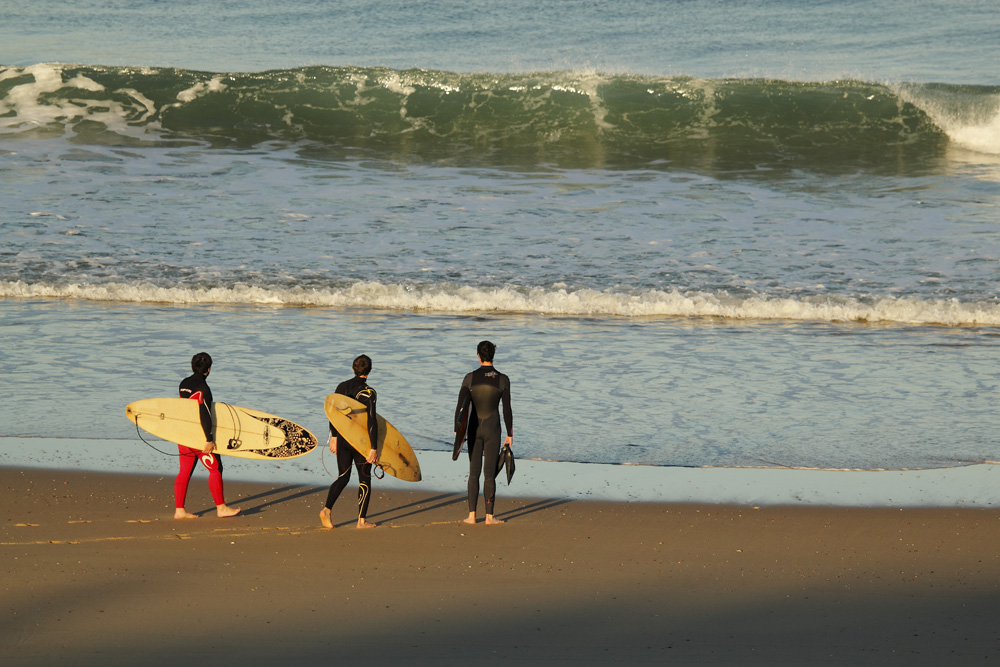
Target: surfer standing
196 387
358 389
485 388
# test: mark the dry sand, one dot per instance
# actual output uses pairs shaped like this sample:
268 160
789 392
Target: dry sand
97 572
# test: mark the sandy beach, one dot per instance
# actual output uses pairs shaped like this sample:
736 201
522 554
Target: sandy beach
96 572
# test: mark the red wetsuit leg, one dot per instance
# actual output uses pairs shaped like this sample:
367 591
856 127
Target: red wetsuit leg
213 464
188 459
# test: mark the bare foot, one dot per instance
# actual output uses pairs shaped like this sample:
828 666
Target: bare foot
181 513
324 517
471 519
492 520
226 511
364 523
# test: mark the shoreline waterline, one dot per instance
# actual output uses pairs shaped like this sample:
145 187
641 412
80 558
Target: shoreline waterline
973 485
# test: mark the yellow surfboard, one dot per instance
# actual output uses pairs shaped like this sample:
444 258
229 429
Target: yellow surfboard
350 418
241 432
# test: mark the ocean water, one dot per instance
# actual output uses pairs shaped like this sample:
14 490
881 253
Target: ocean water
700 233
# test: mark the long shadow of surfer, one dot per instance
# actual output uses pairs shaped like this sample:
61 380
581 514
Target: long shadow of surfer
538 506
423 505
275 497
450 499
272 499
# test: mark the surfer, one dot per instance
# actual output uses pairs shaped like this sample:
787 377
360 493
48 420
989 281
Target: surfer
485 387
358 389
196 387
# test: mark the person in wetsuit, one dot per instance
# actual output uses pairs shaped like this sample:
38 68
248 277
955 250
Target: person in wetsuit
486 388
358 389
195 387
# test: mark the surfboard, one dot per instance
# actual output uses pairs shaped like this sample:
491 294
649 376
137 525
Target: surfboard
350 418
240 432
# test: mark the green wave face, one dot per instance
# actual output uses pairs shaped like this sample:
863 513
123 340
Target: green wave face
562 119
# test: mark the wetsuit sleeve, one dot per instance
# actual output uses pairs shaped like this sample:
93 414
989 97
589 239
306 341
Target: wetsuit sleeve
205 410
464 396
206 421
368 397
372 421
204 397
508 413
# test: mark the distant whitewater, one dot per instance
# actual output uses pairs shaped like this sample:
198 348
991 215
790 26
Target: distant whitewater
544 301
565 119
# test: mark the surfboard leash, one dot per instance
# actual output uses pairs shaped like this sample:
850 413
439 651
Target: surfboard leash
151 446
322 458
378 466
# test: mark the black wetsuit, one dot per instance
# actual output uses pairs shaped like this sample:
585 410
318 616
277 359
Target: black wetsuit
486 387
358 389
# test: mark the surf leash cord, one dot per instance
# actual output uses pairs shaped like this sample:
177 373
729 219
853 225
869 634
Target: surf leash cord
153 447
378 472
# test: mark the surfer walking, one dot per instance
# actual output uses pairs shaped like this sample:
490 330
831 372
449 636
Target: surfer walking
195 387
358 389
483 390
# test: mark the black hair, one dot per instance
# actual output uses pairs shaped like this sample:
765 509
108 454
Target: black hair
486 350
201 362
362 365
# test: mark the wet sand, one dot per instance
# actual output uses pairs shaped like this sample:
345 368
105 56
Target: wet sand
97 572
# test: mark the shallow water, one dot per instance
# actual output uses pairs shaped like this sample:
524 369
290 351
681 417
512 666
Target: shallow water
585 389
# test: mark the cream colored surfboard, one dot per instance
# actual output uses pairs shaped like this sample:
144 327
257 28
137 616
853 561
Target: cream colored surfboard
350 418
241 432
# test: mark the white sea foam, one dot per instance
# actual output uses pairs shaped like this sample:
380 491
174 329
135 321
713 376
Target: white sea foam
33 105
201 89
21 105
544 301
975 126
983 138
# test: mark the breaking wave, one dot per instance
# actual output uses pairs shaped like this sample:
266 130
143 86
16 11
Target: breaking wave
553 301
569 119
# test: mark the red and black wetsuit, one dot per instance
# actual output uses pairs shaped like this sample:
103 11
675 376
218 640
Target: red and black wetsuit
358 389
196 387
486 387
